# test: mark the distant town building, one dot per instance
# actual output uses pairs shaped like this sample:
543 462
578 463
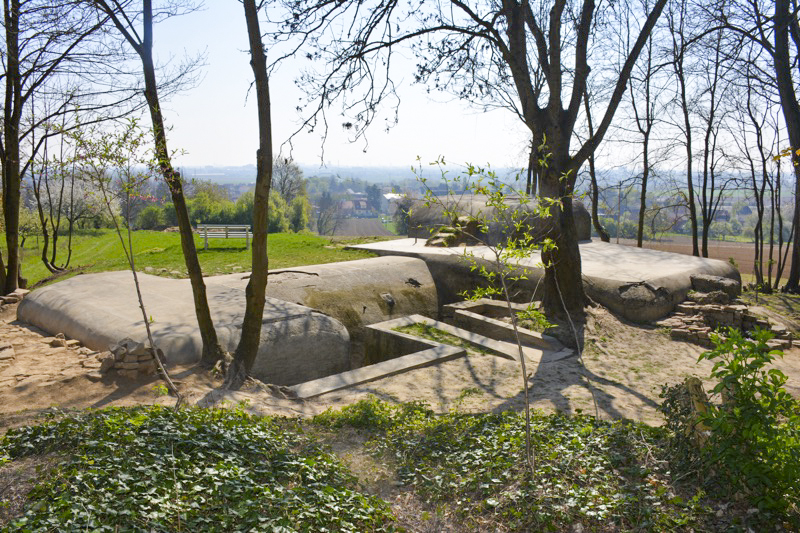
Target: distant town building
390 202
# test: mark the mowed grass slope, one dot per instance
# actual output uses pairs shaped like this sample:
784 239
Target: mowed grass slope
100 250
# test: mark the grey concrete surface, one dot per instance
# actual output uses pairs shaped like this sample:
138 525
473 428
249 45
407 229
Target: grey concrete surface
392 355
313 320
638 283
356 293
101 309
394 343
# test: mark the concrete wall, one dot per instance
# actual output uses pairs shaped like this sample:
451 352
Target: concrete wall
360 293
101 309
481 317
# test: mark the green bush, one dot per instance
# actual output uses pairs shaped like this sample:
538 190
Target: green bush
533 319
751 445
755 432
373 414
151 217
278 214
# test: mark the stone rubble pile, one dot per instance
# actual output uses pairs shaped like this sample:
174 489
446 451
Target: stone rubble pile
694 322
14 297
129 359
464 232
712 306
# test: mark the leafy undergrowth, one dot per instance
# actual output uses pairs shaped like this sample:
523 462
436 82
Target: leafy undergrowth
155 469
605 476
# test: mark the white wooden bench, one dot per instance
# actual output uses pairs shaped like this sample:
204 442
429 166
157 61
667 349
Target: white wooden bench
224 231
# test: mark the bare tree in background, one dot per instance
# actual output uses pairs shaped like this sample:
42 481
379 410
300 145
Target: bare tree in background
712 110
773 26
757 132
471 48
136 27
679 20
287 179
54 61
645 105
594 191
328 214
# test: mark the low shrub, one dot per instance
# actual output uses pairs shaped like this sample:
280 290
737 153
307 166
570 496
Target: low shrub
373 414
750 435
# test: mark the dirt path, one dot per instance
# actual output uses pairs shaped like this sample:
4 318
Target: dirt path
626 364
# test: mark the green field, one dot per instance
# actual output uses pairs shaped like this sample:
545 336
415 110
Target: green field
100 250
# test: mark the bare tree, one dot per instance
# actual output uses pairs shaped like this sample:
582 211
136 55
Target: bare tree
753 21
136 27
644 105
287 179
757 132
678 19
785 23
53 187
328 214
52 54
537 52
715 81
256 287
594 191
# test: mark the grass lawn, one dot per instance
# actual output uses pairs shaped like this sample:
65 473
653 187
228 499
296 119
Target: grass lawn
389 224
100 250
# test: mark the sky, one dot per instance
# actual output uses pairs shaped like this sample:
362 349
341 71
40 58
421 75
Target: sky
215 123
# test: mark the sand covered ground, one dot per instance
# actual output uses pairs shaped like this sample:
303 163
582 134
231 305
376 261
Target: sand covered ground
625 364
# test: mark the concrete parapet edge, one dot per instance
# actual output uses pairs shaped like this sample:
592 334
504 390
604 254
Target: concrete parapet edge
436 353
470 315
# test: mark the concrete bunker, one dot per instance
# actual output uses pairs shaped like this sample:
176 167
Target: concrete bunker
322 321
639 284
313 325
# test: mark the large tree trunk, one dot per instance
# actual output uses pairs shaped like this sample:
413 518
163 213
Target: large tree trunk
11 151
563 284
791 114
212 352
256 288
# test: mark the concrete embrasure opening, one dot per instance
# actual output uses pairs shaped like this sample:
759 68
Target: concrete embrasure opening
393 352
